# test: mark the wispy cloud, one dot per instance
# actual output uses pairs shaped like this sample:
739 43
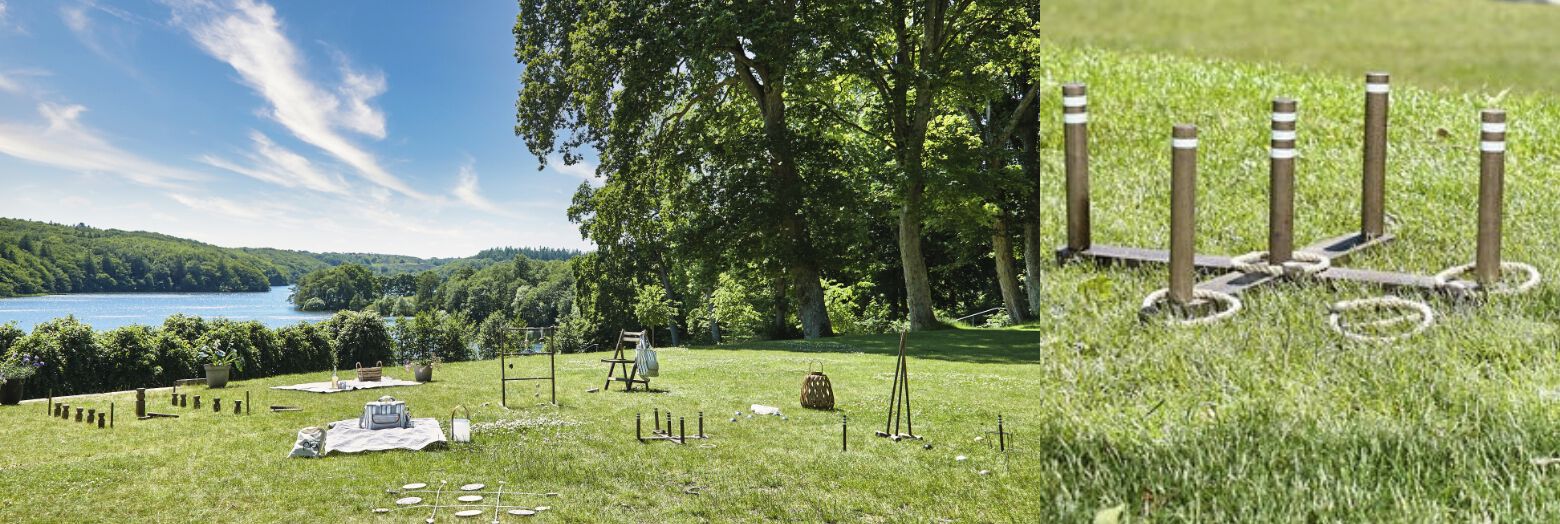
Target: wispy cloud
112 41
582 169
64 142
250 38
273 163
467 190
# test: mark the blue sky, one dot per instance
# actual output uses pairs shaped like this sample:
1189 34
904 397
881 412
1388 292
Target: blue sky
326 126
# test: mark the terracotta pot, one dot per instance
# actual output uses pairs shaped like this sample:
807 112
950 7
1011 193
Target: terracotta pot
11 392
217 376
423 373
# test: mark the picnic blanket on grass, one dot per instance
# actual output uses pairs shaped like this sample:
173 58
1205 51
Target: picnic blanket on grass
345 436
347 385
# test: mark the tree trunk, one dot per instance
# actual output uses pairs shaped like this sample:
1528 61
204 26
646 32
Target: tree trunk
779 327
918 288
801 260
709 307
666 286
1007 269
1032 265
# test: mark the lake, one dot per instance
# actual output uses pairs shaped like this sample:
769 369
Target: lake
105 311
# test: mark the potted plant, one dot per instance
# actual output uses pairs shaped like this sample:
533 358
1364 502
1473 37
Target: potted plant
417 343
219 364
13 372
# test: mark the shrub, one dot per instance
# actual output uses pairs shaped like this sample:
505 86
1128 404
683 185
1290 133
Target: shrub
572 335
132 354
360 338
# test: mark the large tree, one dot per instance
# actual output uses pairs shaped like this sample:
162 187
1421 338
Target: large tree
909 52
622 77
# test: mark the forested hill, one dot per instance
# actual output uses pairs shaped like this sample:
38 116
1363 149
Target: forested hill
39 257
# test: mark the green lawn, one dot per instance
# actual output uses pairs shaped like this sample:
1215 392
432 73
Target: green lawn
221 468
1470 44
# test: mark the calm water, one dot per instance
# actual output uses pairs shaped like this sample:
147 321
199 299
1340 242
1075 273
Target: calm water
110 310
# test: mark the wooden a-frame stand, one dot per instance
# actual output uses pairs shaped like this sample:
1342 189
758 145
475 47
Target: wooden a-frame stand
621 368
899 400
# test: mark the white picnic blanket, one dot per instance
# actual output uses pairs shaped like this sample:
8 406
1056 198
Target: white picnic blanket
347 385
344 436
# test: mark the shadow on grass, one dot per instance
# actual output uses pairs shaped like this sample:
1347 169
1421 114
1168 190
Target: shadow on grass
982 346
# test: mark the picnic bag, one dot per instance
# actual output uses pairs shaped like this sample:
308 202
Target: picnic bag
644 360
817 392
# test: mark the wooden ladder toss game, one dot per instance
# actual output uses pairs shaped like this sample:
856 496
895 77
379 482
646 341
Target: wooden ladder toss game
1192 303
542 341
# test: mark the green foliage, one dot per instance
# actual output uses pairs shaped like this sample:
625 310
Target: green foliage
349 286
572 336
431 337
652 307
359 338
132 350
36 258
855 311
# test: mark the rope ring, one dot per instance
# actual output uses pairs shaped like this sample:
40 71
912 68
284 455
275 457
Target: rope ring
1335 321
1301 263
1232 305
1446 278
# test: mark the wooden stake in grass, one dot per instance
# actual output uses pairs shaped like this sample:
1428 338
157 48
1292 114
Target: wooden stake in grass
140 403
1183 212
1281 183
1492 187
1075 126
1373 187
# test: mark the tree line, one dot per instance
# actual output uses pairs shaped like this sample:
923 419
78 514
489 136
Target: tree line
775 166
39 258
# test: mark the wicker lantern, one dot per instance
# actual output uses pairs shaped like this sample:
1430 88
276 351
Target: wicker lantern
817 392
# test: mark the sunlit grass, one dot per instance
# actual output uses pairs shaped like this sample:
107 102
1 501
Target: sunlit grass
1485 44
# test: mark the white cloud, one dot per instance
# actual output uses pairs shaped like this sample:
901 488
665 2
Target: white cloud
278 165
111 42
467 191
582 169
8 85
66 143
250 38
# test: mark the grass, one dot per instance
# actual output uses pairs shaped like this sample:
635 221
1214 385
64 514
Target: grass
1466 44
224 468
1266 418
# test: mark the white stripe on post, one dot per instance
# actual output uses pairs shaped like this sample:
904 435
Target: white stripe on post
1282 153
1075 101
1283 117
1494 127
1492 147
1075 118
1283 135
1183 143
1377 88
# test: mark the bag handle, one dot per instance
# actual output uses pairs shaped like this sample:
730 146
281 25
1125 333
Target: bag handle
810 366
379 364
359 365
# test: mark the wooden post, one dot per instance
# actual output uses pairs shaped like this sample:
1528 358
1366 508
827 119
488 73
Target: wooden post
247 403
1075 125
91 414
238 407
844 432
1183 212
79 413
1281 183
101 419
1492 188
1373 188
140 403
111 413
197 401
216 404
639 427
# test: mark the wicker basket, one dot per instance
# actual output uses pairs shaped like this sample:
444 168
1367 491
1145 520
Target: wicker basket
817 392
372 374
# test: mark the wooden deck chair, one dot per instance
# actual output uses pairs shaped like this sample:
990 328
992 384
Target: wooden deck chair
629 374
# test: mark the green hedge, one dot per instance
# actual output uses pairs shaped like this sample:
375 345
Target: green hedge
79 360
